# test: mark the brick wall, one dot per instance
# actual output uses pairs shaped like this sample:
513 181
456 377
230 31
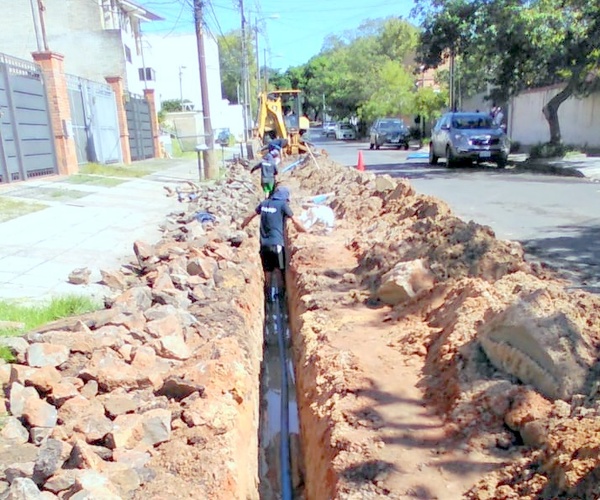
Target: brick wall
52 65
149 95
116 82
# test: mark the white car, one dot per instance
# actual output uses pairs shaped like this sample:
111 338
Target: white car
329 128
345 131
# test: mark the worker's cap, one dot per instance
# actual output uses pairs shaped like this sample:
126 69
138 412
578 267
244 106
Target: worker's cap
281 193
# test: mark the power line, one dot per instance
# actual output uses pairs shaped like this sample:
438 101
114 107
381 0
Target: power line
183 3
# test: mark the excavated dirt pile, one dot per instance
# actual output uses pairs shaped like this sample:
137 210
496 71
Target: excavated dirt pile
433 361
157 395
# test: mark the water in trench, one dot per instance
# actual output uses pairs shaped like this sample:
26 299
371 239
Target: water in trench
280 469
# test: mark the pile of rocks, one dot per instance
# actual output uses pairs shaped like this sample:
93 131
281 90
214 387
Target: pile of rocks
157 394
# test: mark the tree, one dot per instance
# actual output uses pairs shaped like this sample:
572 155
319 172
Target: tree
365 69
518 44
230 62
393 95
429 102
171 105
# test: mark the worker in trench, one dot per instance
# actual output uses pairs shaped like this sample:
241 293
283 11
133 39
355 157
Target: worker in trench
268 171
273 212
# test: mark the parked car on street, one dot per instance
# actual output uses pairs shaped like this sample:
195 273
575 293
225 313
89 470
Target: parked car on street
345 131
462 136
329 128
389 132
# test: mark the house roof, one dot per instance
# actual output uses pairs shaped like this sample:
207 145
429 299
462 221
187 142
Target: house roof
140 11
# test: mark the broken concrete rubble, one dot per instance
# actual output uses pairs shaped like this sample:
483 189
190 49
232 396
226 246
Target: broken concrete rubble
159 395
101 397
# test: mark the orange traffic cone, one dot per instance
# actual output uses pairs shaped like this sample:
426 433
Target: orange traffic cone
361 164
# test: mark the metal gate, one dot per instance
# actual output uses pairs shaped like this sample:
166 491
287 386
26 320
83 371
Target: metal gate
95 121
26 139
141 142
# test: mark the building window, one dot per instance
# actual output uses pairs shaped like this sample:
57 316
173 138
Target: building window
127 53
149 75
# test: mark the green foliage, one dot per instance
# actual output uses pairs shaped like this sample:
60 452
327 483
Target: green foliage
429 103
135 170
548 150
178 151
392 96
516 44
515 146
230 60
365 71
170 105
11 209
7 355
94 180
33 316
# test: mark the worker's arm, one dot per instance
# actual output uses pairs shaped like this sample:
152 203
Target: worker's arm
248 219
298 225
255 168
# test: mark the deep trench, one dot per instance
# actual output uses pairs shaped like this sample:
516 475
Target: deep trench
279 431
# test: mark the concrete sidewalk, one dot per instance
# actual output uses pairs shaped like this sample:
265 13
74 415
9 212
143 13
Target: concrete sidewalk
39 250
579 165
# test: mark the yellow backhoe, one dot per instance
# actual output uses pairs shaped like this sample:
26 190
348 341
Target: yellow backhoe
280 117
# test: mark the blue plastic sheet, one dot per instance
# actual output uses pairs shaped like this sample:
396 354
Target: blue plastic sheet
204 217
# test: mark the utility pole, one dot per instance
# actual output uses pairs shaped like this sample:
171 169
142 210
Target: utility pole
245 76
181 68
35 16
257 56
41 9
211 170
266 71
452 85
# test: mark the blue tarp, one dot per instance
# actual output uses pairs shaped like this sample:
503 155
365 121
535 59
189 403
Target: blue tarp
418 155
204 217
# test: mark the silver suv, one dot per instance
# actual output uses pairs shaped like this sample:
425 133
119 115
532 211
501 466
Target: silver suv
468 137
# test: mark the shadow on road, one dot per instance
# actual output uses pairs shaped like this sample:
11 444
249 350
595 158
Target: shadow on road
574 255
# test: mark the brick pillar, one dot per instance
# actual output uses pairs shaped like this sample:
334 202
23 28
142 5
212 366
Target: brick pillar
52 65
116 82
149 95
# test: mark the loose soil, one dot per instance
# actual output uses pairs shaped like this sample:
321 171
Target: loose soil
402 401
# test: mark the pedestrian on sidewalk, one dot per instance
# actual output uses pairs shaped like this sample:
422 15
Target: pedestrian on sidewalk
274 211
268 171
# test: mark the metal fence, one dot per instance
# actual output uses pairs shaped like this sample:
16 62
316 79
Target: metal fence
141 143
26 138
95 121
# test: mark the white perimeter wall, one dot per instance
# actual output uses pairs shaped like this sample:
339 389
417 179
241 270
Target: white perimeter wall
579 118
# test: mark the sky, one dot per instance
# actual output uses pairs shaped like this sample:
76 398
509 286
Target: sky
293 32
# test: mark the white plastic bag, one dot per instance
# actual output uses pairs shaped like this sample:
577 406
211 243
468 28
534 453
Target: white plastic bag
320 215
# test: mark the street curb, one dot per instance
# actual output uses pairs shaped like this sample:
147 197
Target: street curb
544 168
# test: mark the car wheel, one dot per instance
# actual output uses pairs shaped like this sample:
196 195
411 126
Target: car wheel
377 146
502 162
432 158
450 160
371 146
406 147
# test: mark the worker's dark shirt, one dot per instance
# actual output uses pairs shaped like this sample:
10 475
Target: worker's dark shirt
273 213
268 169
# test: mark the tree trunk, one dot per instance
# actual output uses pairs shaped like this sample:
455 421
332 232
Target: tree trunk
550 110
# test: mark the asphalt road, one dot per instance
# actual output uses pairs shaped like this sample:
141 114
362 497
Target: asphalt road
556 219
